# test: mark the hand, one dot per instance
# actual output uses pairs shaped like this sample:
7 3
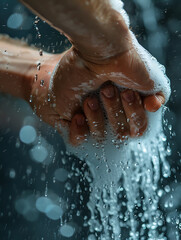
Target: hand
76 78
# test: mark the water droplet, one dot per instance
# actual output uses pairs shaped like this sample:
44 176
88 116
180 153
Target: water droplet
160 193
41 52
38 66
31 97
12 173
17 143
42 83
167 189
170 127
49 98
36 78
180 226
68 186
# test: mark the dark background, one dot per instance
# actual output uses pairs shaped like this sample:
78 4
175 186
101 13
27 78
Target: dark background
157 25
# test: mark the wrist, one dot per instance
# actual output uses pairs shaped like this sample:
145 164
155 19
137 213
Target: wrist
95 28
113 38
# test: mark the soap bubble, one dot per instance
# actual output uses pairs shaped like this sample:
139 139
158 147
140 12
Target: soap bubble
27 134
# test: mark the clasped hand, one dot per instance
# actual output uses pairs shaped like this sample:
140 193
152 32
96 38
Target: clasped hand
84 94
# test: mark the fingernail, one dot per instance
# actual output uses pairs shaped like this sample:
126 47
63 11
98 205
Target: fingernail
93 104
108 92
160 98
129 96
80 121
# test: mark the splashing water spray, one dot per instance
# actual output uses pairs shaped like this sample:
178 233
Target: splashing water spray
124 192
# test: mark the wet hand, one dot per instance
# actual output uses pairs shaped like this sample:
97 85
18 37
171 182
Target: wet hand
76 78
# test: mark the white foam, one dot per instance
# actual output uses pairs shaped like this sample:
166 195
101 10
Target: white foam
118 6
155 70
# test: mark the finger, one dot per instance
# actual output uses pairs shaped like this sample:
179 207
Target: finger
154 102
135 112
78 129
95 117
114 109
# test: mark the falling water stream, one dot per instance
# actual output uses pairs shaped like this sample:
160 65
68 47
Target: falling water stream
124 191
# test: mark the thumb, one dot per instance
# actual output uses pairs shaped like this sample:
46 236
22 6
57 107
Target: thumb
153 102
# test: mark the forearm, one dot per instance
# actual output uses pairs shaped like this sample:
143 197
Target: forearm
95 29
18 67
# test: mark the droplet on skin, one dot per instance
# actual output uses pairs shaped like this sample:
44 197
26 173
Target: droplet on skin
31 97
38 66
36 78
41 52
42 83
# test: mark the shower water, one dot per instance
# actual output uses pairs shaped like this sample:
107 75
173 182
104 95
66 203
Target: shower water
124 192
